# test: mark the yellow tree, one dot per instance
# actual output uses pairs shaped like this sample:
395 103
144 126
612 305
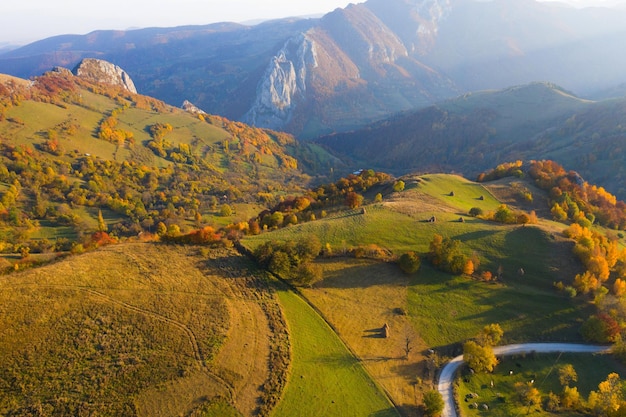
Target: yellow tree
479 358
608 398
570 397
567 375
490 335
102 226
619 287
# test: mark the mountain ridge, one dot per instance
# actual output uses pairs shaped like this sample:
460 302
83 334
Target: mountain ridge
477 130
390 57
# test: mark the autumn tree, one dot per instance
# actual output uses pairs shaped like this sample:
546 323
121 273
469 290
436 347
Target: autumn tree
479 358
567 375
353 200
102 227
570 398
490 335
527 393
608 399
600 328
398 186
446 254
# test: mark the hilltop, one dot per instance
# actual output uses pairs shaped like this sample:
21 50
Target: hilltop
203 327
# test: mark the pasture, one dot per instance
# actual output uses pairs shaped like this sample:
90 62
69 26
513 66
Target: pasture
543 370
325 378
134 329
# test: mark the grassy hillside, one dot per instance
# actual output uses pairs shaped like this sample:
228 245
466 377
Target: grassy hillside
137 329
325 379
72 149
433 309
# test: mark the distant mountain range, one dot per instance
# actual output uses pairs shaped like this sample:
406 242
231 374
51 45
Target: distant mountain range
476 131
355 65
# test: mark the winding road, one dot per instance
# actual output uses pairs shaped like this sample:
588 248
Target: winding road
446 378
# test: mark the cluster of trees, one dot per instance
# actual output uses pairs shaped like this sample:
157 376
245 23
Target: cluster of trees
504 214
606 401
448 255
313 204
344 190
604 277
478 353
507 169
571 198
291 260
109 131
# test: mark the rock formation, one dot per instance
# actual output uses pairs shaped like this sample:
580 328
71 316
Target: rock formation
101 71
284 84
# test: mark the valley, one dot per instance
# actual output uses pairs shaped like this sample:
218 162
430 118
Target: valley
400 208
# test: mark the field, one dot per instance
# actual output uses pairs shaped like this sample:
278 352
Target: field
326 379
502 398
432 309
157 330
136 329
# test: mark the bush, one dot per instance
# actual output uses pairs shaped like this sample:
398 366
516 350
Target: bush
409 262
398 186
476 211
433 403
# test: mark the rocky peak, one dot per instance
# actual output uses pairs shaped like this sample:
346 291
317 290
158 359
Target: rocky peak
283 84
191 108
101 71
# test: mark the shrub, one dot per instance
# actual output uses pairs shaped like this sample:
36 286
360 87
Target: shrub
409 262
476 211
433 403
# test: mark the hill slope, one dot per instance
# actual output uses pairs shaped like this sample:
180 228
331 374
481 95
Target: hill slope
72 149
135 330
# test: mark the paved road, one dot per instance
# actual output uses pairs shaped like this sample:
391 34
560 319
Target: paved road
447 373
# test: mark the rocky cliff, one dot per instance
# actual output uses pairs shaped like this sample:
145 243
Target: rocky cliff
101 71
284 84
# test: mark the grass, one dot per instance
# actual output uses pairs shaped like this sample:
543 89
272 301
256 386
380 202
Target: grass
359 296
326 379
130 327
543 369
466 193
525 305
442 311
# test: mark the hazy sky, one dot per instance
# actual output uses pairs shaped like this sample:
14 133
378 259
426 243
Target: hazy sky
23 21
27 20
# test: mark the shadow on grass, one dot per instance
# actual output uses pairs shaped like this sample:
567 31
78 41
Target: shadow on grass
480 234
389 412
336 360
378 333
392 412
409 370
362 273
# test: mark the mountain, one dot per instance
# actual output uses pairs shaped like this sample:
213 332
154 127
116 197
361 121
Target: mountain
478 130
355 65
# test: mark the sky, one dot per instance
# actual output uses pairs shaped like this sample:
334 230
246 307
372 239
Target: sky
24 21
